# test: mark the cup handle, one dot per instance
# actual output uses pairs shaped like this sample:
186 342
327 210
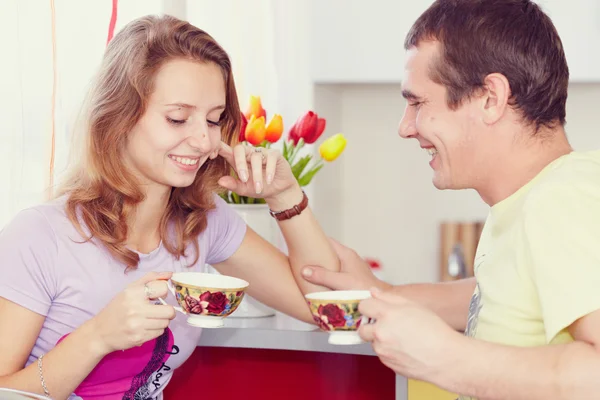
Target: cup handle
366 320
172 290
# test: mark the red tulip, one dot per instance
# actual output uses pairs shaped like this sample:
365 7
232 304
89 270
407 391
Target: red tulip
309 127
243 125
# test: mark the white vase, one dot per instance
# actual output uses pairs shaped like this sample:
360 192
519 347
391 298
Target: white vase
258 218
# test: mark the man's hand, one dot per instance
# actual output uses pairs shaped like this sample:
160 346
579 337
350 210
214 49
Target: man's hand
355 273
408 338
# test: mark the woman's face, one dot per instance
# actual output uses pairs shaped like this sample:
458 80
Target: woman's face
180 129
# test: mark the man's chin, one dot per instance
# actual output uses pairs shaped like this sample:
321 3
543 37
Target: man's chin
438 182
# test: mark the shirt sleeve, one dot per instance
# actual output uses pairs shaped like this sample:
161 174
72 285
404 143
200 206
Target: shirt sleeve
225 230
562 232
28 254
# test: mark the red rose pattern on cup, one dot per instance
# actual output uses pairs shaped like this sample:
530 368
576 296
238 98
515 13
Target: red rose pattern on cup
339 317
217 303
332 315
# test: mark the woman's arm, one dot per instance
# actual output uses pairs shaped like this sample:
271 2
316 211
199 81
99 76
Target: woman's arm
128 320
265 173
64 368
307 243
267 270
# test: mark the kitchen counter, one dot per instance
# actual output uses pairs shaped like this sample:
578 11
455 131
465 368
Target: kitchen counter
282 332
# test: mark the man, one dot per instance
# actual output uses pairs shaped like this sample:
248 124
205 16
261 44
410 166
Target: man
486 84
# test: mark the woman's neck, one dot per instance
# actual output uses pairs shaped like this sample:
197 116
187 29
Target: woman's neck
144 223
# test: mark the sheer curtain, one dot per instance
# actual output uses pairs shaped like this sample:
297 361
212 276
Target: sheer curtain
245 29
52 49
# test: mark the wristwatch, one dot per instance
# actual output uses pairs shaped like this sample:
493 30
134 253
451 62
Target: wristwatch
291 212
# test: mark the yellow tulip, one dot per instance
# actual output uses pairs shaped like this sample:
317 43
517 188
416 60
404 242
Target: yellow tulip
331 148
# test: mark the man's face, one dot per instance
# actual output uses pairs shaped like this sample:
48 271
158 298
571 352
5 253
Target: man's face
452 137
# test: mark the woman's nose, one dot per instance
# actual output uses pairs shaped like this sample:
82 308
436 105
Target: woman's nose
200 139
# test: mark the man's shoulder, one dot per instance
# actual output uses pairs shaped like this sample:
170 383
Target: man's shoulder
577 173
571 185
575 168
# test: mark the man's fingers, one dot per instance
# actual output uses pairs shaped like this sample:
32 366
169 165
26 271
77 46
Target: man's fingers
324 277
372 308
367 332
390 297
343 252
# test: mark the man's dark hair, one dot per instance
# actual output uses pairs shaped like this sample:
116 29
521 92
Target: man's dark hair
512 37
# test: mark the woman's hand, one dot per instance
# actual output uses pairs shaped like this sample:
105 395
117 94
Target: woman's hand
130 319
262 173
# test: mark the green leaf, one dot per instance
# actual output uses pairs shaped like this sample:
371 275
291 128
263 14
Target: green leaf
301 165
295 150
307 177
225 196
285 150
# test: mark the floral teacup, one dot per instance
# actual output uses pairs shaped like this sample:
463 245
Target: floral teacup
206 298
336 312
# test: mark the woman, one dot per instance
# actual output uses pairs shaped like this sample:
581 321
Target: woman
79 273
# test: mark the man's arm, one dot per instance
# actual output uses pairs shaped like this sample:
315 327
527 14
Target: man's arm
450 300
554 372
415 342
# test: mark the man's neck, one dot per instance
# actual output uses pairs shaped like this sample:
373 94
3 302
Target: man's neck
522 162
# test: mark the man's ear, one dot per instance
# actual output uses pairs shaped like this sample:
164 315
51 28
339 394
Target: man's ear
494 101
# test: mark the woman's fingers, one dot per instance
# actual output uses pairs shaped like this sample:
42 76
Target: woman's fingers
256 161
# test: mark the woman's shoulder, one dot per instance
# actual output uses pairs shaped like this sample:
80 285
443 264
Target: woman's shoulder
39 221
224 232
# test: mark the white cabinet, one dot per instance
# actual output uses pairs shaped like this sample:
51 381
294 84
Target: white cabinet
360 41
578 24
355 41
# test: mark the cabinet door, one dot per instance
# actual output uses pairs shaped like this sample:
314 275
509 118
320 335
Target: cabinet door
578 24
358 41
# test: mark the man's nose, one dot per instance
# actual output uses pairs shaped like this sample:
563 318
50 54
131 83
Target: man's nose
407 128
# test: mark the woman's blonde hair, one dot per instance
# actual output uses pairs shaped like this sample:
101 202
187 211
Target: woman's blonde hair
101 192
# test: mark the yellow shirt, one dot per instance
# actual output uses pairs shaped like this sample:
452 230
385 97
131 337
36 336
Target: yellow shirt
537 265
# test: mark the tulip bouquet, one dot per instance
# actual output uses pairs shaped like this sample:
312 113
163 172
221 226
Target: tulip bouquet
306 130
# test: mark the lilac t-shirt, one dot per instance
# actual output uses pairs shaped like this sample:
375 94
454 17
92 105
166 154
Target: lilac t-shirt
44 269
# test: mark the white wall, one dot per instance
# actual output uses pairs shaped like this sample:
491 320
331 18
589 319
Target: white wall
378 198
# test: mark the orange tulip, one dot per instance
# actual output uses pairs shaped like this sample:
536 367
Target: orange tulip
255 131
255 108
274 129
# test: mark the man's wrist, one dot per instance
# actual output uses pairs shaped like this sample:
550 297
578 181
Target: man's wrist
382 285
447 372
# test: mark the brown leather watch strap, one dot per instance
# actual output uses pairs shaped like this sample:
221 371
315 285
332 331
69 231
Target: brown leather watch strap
291 212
